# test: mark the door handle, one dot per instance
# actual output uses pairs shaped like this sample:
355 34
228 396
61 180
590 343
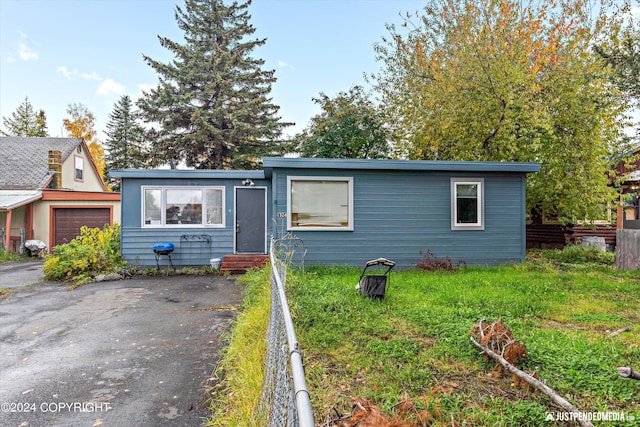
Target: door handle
237 226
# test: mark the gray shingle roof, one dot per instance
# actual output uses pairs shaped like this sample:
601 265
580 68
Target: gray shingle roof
24 161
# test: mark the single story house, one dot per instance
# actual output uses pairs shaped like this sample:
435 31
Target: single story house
346 211
49 188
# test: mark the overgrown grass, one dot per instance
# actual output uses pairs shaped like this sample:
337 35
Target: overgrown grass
234 399
414 344
8 256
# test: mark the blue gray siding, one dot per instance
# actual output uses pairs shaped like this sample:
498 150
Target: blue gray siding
400 209
398 213
190 248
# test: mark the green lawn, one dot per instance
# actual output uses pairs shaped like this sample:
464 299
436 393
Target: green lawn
414 344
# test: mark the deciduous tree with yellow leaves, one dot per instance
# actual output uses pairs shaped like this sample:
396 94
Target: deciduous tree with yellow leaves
508 80
81 125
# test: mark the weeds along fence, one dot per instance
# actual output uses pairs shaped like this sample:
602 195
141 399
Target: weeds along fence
285 399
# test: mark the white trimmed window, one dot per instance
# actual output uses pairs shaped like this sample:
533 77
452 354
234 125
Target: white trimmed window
79 168
320 203
183 206
467 204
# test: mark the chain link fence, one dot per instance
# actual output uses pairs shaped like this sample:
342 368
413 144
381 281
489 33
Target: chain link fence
285 399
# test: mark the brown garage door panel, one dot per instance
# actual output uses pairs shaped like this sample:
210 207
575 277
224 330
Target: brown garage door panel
68 221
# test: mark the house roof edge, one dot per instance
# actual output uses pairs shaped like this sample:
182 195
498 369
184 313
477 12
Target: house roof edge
419 165
187 173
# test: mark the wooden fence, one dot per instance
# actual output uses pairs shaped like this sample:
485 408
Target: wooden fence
628 249
556 236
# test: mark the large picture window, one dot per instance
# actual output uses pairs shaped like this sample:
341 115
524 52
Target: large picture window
320 203
183 206
467 204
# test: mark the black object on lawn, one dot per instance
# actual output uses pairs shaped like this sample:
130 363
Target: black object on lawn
374 284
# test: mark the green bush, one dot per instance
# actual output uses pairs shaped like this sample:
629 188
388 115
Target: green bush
572 257
94 251
573 254
8 256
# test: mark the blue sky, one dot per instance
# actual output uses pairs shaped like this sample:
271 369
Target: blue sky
57 52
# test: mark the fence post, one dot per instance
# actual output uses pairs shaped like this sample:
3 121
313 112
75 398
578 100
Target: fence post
627 249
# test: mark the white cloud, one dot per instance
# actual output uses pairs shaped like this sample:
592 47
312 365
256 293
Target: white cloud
26 53
66 72
110 87
106 87
24 50
283 64
92 76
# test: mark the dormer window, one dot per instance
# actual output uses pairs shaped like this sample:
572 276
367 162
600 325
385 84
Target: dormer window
79 161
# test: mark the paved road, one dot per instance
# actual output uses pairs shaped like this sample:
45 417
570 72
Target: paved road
20 273
135 352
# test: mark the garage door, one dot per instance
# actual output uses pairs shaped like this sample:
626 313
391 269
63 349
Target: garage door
67 222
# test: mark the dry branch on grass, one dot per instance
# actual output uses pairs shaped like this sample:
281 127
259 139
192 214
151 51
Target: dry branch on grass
619 331
627 372
498 337
494 340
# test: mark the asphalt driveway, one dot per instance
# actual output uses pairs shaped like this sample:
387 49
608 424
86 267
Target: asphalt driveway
135 352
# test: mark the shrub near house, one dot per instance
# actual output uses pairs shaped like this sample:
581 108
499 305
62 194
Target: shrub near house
93 251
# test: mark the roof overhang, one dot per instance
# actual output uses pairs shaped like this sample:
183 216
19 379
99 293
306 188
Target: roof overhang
270 163
67 195
632 176
12 199
187 173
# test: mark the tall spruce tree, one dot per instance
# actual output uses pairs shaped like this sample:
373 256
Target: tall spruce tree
211 107
125 143
25 122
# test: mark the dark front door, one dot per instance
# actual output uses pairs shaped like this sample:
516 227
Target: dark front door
251 211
